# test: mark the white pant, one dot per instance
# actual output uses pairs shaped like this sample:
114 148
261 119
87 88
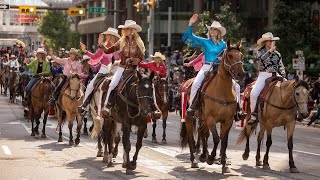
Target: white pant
154 97
236 88
90 87
114 82
197 81
257 88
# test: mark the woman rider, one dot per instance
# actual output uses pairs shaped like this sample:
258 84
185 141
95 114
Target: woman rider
269 61
213 46
39 66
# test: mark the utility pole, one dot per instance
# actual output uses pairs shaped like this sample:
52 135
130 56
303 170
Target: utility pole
169 39
151 31
115 14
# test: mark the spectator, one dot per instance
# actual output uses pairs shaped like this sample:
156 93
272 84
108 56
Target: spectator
316 115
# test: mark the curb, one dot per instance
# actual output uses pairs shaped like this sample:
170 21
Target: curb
304 123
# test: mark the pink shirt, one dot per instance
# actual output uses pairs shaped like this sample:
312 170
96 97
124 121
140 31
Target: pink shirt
198 62
106 58
69 67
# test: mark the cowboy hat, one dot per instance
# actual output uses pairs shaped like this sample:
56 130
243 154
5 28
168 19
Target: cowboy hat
130 24
41 51
217 25
267 37
113 32
74 51
158 54
12 56
85 57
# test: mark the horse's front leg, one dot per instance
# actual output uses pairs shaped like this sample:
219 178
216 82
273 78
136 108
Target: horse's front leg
32 122
189 127
164 126
37 118
140 133
85 129
79 126
127 148
45 117
70 125
225 129
216 141
100 152
204 133
260 137
268 143
154 126
290 130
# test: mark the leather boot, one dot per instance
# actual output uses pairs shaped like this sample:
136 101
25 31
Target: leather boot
239 116
84 107
192 107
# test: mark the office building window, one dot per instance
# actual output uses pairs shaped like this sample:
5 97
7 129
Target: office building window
3 18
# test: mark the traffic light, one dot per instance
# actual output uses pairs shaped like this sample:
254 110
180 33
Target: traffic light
28 9
77 11
138 6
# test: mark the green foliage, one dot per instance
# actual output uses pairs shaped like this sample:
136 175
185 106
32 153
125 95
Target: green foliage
292 24
56 29
230 21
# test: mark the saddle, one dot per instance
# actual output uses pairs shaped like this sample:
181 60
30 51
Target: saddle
100 78
35 84
66 85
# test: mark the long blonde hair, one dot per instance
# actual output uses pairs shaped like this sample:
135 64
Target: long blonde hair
136 37
113 39
218 37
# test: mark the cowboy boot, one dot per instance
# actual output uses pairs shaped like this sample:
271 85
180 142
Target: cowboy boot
111 101
83 109
192 107
253 119
239 116
53 99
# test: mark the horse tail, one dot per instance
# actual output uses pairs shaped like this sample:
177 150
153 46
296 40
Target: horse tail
246 132
183 135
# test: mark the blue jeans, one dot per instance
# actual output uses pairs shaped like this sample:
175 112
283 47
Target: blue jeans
31 83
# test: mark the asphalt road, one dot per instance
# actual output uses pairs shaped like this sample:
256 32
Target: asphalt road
23 157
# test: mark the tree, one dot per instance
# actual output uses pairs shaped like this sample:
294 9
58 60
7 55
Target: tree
56 29
292 24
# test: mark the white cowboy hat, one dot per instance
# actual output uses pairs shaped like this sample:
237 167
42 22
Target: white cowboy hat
265 37
12 56
158 54
113 32
217 25
74 51
130 24
41 51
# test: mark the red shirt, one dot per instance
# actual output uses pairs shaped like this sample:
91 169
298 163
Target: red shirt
160 70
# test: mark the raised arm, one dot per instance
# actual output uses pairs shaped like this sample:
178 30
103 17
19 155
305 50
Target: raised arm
189 38
61 61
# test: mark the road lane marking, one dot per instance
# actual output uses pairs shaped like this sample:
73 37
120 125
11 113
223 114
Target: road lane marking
26 127
6 150
304 152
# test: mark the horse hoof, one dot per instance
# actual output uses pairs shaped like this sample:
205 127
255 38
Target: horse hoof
210 160
37 132
100 154
60 139
129 172
110 164
198 151
133 165
225 170
145 135
77 142
43 136
194 165
294 170
203 158
33 134
124 165
245 156
266 167
164 141
71 143
259 163
154 140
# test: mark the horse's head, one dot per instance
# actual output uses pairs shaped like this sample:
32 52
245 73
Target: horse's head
162 89
144 91
232 60
177 76
301 95
75 85
46 87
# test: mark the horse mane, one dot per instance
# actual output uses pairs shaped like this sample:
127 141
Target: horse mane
303 84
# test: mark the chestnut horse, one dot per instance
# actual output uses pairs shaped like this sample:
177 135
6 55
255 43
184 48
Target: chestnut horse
218 105
40 96
162 94
13 84
3 81
280 107
67 107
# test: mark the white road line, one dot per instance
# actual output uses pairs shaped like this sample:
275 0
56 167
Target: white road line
25 127
304 152
6 150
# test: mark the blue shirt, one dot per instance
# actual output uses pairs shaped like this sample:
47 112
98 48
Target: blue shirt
211 50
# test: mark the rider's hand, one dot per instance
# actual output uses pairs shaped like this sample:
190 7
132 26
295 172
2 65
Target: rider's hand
100 39
193 19
83 47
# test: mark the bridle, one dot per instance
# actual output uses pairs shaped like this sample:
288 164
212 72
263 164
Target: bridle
228 65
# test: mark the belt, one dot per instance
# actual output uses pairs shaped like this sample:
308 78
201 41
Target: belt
208 63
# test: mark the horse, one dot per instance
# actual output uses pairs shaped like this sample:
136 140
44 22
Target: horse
69 100
3 80
161 92
40 96
132 107
218 104
13 84
24 82
279 107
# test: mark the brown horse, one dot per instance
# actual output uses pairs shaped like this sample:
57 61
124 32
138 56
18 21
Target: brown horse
161 92
132 106
25 80
13 84
67 107
279 108
40 96
3 80
218 105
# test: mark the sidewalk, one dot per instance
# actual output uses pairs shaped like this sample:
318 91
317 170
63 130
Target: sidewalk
304 123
